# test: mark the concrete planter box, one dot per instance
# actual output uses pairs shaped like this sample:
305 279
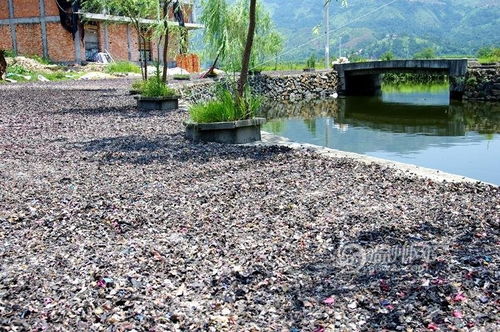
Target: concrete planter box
157 103
233 132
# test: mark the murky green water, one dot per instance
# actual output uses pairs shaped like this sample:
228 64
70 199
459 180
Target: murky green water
419 126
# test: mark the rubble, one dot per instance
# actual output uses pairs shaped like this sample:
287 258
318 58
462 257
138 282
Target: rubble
111 220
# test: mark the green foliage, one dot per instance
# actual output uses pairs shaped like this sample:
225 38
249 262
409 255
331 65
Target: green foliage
18 69
10 53
40 59
226 29
155 87
182 77
357 58
416 87
216 34
410 78
426 53
489 54
387 56
311 62
137 85
122 67
59 75
225 107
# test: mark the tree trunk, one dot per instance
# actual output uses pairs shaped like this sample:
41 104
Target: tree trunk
165 42
144 60
210 71
248 50
3 65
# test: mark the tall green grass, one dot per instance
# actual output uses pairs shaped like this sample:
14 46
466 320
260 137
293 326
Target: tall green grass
226 107
122 67
155 87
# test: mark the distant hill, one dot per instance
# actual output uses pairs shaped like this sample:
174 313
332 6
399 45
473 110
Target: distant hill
452 27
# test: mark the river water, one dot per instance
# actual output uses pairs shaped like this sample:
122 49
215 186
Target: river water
417 126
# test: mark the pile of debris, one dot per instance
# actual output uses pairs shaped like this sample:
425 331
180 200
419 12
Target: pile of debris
32 64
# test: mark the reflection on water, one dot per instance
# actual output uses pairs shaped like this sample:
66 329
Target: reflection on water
421 128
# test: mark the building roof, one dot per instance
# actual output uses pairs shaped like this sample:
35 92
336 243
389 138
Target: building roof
123 19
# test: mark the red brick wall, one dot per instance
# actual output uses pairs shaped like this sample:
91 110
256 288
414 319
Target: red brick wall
118 47
60 43
51 8
6 40
26 8
4 9
134 45
29 39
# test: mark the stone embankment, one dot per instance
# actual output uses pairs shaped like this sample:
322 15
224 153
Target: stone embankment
274 85
482 82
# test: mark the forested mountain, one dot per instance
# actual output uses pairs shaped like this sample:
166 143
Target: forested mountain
404 26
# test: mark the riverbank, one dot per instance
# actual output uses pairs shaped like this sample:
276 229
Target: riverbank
111 219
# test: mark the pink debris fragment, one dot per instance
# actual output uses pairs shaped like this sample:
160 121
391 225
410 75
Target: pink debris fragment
459 297
384 286
457 314
101 283
432 327
329 300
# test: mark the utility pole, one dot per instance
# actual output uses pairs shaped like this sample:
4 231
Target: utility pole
327 33
340 46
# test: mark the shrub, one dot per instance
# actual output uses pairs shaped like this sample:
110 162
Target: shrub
122 67
226 108
10 53
18 69
489 54
426 53
311 62
387 56
155 87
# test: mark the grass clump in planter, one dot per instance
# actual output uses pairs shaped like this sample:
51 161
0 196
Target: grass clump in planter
155 87
226 108
137 85
185 77
122 67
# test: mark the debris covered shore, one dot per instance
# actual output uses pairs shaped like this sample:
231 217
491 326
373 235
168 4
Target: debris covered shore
111 220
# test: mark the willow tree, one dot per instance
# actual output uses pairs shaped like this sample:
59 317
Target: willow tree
268 42
216 35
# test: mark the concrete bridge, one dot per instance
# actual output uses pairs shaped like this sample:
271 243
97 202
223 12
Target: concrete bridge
364 78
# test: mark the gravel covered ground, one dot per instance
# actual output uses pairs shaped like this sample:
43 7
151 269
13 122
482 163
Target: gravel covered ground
111 220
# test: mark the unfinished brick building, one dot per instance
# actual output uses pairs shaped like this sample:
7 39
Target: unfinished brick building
34 27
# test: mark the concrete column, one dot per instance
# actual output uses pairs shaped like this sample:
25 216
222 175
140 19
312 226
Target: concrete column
78 48
106 37
12 25
43 25
129 43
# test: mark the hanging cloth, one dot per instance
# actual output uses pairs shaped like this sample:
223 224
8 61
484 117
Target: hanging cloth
179 16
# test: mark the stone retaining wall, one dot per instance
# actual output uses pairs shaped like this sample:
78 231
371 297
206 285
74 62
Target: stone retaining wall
275 86
482 82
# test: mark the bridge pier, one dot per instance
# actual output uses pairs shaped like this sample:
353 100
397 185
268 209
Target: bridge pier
457 87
